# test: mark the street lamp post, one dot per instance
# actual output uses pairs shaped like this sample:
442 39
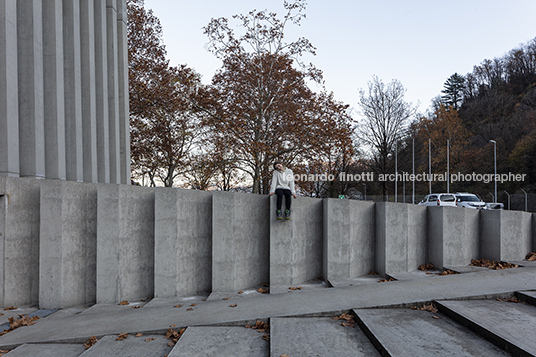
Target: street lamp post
429 166
396 172
413 171
448 170
495 167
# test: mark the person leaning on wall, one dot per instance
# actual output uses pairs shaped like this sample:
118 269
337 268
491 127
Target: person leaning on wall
282 185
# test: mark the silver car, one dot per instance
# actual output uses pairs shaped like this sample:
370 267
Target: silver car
469 200
439 199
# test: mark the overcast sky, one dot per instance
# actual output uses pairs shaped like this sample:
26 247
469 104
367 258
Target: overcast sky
419 42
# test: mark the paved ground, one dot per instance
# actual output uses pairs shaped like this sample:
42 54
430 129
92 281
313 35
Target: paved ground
74 326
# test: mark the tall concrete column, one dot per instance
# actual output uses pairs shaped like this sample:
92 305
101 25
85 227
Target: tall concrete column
31 97
9 110
87 60
124 125
54 104
73 90
113 90
101 90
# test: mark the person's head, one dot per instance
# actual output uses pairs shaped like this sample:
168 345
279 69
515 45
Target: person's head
278 166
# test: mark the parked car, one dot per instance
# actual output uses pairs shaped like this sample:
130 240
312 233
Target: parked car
439 199
469 200
492 206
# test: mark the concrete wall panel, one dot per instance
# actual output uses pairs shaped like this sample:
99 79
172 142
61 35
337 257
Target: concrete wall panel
516 237
183 242
417 236
349 238
19 240
391 237
505 235
125 243
296 246
453 236
68 244
240 241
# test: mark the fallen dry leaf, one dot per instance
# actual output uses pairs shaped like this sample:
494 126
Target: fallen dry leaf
225 298
179 305
260 326
385 280
531 256
492 264
122 336
436 317
173 326
295 288
263 291
3 352
174 336
150 339
512 299
427 266
139 334
448 272
24 320
347 324
90 342
233 305
135 307
240 292
190 309
194 304
344 316
372 272
10 308
124 302
431 308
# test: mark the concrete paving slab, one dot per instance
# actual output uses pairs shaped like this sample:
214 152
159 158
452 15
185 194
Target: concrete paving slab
201 341
160 314
47 350
510 325
464 269
317 336
307 285
105 308
360 280
183 300
416 274
219 295
406 332
147 346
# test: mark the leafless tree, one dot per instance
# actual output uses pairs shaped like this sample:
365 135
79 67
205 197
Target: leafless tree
384 116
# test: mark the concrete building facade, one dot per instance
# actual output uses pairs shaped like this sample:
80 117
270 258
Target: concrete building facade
64 90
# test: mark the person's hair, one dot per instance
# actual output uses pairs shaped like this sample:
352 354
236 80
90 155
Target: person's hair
277 162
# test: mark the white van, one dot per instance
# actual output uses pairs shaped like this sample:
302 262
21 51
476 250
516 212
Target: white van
439 199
